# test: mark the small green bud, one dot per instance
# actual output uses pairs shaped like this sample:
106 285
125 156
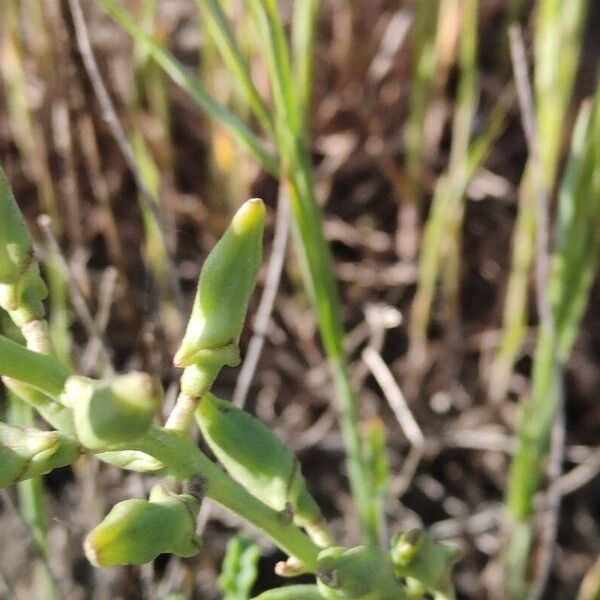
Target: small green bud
136 531
292 592
29 452
225 285
113 411
362 573
417 556
15 242
255 457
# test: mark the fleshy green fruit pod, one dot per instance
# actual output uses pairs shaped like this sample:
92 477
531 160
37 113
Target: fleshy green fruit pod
362 573
136 531
292 592
15 241
28 452
416 555
113 411
225 285
255 457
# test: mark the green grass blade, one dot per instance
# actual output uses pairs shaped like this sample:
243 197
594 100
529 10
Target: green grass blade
424 67
239 569
441 237
218 27
578 235
238 130
304 24
313 250
558 34
272 34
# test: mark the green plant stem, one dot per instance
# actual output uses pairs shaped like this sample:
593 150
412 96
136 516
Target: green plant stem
556 57
184 460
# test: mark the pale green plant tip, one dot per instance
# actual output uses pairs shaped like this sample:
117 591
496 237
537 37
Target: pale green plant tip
226 282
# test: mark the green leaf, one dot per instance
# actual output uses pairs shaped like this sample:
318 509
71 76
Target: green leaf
291 592
239 569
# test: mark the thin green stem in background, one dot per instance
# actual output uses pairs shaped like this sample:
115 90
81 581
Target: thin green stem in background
442 233
175 450
557 42
314 252
238 130
575 262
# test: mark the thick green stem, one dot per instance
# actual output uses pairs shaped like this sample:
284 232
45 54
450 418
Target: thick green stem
184 460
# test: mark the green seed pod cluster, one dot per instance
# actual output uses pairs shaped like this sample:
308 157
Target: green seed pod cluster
113 411
362 573
255 457
225 285
29 452
21 286
136 531
423 562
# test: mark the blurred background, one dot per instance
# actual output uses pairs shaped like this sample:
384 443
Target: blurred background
413 107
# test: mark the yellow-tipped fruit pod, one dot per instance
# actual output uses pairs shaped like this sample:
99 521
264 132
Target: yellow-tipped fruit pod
29 452
421 560
362 573
255 457
225 285
113 411
136 531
